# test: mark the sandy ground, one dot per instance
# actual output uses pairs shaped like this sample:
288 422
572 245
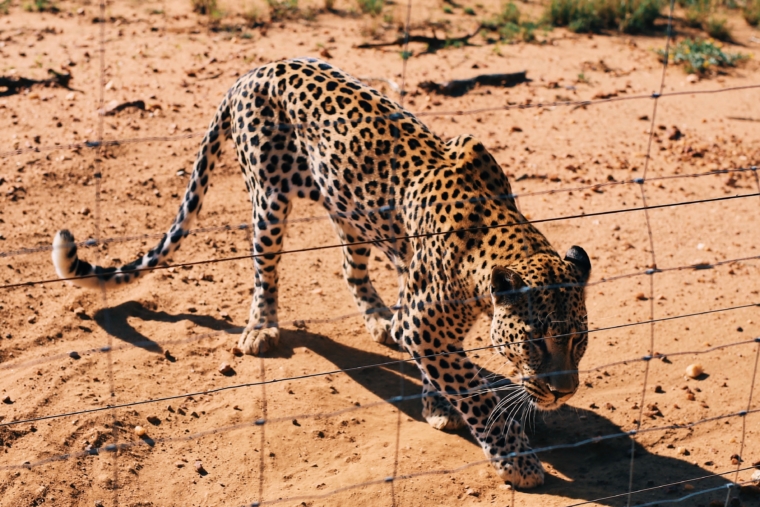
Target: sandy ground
333 439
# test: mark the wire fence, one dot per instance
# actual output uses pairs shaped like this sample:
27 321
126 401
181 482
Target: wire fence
259 425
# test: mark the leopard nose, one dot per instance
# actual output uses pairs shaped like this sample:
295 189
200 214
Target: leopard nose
559 394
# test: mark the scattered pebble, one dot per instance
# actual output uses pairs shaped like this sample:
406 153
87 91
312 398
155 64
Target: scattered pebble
74 354
694 370
79 311
472 492
32 319
735 459
7 400
140 431
199 467
674 134
299 324
659 389
237 352
154 420
641 296
179 464
682 451
226 369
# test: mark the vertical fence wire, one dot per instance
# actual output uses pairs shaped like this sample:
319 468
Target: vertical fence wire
393 213
98 177
653 267
740 459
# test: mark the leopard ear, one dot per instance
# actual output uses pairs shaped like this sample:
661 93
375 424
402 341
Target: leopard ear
578 256
506 286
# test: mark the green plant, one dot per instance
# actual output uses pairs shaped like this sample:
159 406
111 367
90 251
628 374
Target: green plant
37 6
371 7
469 11
751 12
5 6
329 5
699 56
252 16
283 9
717 28
204 7
630 16
446 9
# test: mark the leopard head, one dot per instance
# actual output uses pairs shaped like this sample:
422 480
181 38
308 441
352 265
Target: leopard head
539 323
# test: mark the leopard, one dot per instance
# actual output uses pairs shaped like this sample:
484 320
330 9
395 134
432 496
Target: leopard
443 214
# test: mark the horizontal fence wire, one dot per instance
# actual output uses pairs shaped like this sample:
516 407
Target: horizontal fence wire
302 322
261 422
421 114
395 238
110 407
382 209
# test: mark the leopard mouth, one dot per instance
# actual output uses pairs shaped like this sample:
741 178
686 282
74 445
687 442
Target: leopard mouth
546 399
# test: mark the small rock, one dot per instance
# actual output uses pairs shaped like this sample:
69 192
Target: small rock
32 319
226 369
154 420
299 324
199 467
658 389
7 400
692 78
682 451
179 464
641 296
694 370
79 311
237 352
225 315
515 129
735 459
140 431
74 354
472 492
674 134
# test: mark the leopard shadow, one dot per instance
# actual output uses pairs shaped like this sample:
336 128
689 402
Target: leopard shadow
583 471
115 321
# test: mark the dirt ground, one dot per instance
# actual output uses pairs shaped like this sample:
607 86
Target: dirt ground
334 439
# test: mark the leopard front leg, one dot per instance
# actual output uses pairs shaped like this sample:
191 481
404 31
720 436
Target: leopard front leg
437 411
262 332
450 373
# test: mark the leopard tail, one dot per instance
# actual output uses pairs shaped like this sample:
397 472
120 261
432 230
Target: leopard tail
67 263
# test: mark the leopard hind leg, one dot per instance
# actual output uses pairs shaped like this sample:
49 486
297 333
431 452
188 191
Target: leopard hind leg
356 258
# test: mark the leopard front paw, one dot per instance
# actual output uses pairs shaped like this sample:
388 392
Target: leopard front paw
523 472
256 341
440 414
380 329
